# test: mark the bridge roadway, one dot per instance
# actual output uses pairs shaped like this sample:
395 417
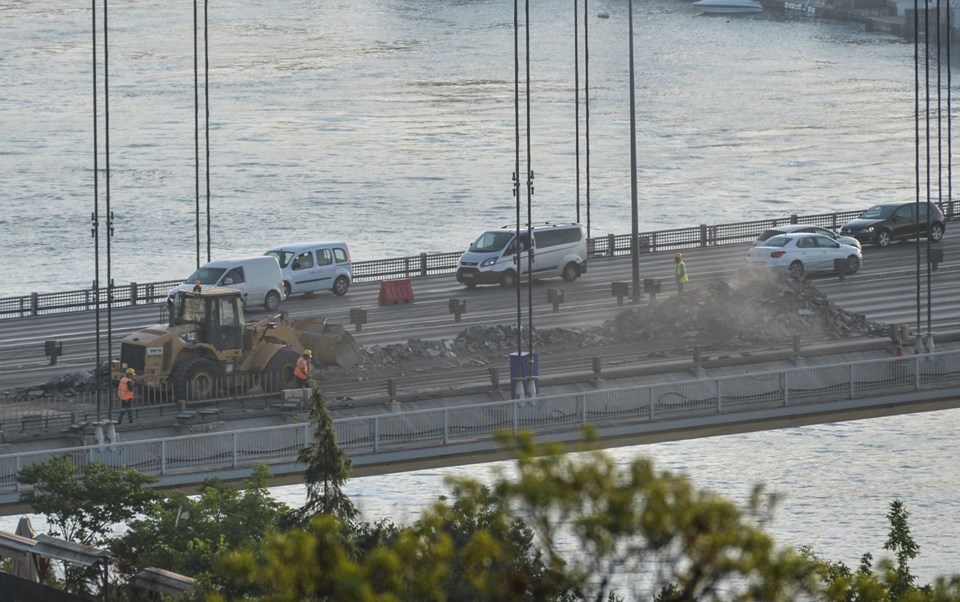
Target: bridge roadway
883 290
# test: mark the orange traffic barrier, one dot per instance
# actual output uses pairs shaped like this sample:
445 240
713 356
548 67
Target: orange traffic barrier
395 291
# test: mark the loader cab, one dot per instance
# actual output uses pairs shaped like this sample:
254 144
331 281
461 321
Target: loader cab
216 313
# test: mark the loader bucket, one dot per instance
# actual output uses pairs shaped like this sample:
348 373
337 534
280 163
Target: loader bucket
333 345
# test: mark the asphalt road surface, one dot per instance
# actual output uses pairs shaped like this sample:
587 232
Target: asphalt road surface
884 290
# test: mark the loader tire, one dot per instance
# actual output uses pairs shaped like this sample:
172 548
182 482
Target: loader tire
196 379
278 375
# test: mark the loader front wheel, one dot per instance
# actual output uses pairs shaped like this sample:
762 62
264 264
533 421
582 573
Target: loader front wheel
278 374
196 379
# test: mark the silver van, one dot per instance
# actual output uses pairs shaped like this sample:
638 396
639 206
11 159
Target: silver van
314 266
558 250
258 278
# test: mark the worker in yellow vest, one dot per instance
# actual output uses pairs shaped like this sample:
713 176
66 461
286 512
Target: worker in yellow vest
302 371
681 272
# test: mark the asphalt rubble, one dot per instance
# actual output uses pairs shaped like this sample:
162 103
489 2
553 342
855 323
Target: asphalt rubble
754 312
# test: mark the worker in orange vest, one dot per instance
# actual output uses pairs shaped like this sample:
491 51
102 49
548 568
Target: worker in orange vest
126 394
302 371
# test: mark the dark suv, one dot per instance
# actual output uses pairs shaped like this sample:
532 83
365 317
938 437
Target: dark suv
882 224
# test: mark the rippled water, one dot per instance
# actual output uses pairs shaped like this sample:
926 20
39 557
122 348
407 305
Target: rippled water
391 124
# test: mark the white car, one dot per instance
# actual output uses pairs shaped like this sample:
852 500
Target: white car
801 253
788 228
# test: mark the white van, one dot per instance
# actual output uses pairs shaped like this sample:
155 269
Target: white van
558 250
258 278
314 266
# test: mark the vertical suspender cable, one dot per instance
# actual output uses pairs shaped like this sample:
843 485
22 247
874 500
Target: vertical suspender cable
916 119
530 241
109 212
634 210
95 218
206 106
586 107
939 172
196 131
576 99
949 212
926 120
516 172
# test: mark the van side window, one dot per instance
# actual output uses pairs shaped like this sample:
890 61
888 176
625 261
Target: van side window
234 276
303 261
340 255
558 236
324 257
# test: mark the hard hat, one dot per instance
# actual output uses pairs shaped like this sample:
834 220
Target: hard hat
131 371
308 353
677 255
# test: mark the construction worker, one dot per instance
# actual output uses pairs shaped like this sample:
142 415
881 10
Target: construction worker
680 272
126 394
302 371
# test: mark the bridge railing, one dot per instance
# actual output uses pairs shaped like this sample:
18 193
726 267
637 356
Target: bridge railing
777 391
429 264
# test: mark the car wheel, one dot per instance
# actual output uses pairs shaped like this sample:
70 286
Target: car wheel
508 279
796 270
340 286
287 291
853 264
271 301
196 379
570 272
936 232
883 238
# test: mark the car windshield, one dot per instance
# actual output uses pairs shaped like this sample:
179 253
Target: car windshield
206 275
768 233
491 241
282 257
879 212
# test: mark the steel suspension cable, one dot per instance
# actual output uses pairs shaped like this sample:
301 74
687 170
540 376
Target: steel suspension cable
95 216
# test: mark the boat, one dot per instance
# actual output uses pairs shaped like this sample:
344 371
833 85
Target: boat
729 7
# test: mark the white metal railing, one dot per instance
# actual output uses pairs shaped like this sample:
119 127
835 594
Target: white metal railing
436 428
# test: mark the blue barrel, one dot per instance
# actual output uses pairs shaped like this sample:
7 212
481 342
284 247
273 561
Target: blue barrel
523 365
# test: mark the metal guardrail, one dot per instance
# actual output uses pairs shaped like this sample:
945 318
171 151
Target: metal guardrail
429 264
706 398
424 264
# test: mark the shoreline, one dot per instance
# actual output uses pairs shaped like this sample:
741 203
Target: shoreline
887 17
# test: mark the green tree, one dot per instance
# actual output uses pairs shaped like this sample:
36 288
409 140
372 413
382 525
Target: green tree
187 534
888 582
591 519
328 468
82 505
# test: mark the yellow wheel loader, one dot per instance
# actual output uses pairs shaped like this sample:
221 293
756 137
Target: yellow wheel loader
206 349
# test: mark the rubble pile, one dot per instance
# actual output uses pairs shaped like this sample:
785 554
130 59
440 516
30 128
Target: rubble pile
766 310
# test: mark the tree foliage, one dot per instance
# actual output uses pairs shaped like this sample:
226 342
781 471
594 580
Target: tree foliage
562 529
82 505
187 534
328 468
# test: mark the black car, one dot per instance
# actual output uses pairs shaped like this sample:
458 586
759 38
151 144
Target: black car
882 224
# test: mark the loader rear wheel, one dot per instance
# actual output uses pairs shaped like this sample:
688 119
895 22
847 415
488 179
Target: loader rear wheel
196 379
278 374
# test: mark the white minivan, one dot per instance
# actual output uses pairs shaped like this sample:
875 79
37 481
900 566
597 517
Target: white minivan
258 278
314 266
558 250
